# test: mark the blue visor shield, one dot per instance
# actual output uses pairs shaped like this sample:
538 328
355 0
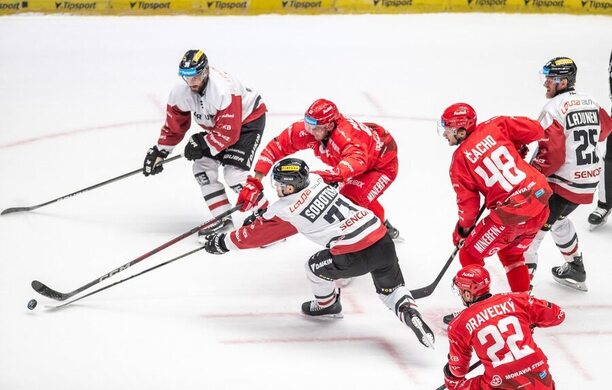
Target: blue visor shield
188 72
311 121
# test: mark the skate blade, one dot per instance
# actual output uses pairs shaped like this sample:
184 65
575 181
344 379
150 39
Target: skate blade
424 338
324 317
399 239
580 286
593 227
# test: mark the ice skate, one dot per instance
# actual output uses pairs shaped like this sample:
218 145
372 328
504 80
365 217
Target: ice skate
571 274
222 226
598 217
422 331
312 309
392 231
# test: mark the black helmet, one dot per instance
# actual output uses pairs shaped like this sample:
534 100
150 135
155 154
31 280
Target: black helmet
291 171
194 62
563 68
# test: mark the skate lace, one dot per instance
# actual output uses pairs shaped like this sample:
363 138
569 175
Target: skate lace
600 212
563 269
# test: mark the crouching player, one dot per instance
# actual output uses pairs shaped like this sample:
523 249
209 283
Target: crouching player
356 243
498 328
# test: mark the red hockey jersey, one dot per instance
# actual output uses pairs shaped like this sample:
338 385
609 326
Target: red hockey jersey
352 147
487 162
498 329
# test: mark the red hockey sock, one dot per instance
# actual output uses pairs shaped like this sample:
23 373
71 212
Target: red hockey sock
377 209
518 278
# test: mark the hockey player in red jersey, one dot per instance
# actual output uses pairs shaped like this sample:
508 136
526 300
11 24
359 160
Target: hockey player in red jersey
362 156
487 162
232 120
356 243
568 156
498 328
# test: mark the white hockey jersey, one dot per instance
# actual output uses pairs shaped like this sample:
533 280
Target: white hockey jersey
573 125
224 106
320 213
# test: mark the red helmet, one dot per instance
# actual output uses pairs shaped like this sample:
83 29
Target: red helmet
459 115
473 278
321 112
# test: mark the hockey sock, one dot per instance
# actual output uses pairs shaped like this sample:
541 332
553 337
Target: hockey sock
326 301
377 209
564 235
518 278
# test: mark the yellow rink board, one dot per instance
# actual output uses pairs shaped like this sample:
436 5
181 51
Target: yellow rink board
254 7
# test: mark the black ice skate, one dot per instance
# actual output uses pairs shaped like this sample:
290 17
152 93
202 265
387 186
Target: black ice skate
571 274
391 230
222 226
422 331
599 216
312 308
447 319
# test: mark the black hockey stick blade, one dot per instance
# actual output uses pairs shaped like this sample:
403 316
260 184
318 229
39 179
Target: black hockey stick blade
15 210
48 292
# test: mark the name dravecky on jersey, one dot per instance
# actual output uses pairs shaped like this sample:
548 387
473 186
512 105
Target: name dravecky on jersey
490 312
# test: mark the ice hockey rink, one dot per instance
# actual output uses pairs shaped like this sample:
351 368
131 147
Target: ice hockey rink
83 98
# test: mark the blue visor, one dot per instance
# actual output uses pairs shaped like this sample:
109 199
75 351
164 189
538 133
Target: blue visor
545 71
188 72
311 121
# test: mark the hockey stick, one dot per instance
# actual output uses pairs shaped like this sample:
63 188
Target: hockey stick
30 208
428 290
58 296
472 367
126 279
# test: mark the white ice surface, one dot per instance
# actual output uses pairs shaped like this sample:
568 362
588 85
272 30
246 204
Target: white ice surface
81 100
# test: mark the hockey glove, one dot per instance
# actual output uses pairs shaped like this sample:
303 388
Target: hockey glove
329 177
450 381
215 244
460 234
250 194
194 150
251 218
152 161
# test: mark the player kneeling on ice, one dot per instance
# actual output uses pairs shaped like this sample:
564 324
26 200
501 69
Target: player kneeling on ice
498 328
356 240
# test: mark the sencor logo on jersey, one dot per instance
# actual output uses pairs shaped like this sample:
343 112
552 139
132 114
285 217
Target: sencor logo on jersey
319 203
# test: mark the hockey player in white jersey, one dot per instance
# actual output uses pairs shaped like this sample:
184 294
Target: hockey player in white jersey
356 243
600 215
232 119
567 155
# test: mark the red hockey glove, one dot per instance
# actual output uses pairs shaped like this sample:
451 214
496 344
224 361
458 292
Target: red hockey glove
459 234
250 193
450 381
329 176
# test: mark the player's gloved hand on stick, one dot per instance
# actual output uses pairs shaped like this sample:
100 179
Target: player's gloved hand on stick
215 244
450 381
152 161
459 234
194 150
329 177
250 194
251 218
